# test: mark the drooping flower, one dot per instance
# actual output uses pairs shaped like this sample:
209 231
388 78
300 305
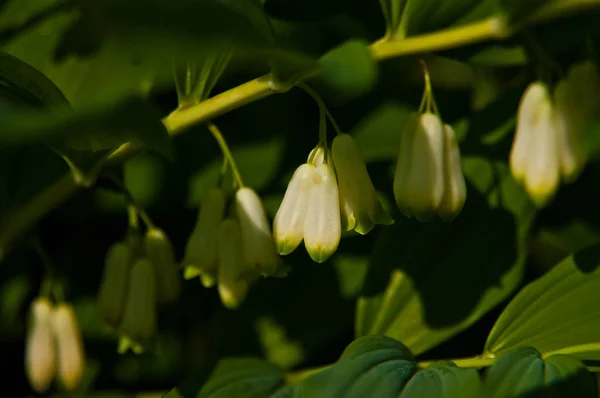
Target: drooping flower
359 205
310 209
322 225
419 186
71 355
535 154
40 349
455 189
232 285
257 240
201 250
160 252
115 279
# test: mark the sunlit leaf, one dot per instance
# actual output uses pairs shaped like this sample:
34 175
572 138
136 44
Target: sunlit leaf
556 313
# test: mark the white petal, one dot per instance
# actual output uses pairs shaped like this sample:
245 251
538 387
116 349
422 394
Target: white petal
542 173
425 184
257 239
232 287
404 162
40 354
201 248
322 227
288 226
455 191
71 357
527 117
569 121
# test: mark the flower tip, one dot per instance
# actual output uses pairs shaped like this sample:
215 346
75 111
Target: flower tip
191 272
233 297
320 254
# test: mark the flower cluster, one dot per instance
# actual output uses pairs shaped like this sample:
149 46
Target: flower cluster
429 177
231 248
330 193
139 273
53 347
548 145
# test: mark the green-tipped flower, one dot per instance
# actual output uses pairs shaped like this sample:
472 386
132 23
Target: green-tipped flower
71 356
40 349
115 279
429 178
139 318
322 227
535 154
455 188
233 287
288 226
257 240
159 251
359 205
201 250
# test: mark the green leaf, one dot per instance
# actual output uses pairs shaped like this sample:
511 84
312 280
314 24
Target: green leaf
557 313
421 296
443 380
523 373
243 378
294 10
89 129
349 70
375 365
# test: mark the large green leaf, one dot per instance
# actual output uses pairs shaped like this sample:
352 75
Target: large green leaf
557 313
443 380
422 296
523 373
90 129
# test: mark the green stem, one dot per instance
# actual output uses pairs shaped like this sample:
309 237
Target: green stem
132 204
227 154
321 104
474 362
22 219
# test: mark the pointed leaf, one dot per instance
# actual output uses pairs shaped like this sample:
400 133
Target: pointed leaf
443 380
556 313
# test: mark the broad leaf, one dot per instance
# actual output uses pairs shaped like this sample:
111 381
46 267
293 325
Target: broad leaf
422 296
523 373
244 378
443 380
429 15
90 129
557 313
304 10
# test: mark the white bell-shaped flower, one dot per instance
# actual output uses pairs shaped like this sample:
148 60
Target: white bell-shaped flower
455 189
232 286
288 226
71 356
322 227
535 155
201 250
359 205
257 240
419 180
40 349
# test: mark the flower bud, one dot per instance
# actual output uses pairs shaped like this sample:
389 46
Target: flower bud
358 202
40 349
585 79
535 155
139 317
569 121
288 226
113 288
201 251
455 190
233 288
257 240
419 181
322 229
71 356
159 251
